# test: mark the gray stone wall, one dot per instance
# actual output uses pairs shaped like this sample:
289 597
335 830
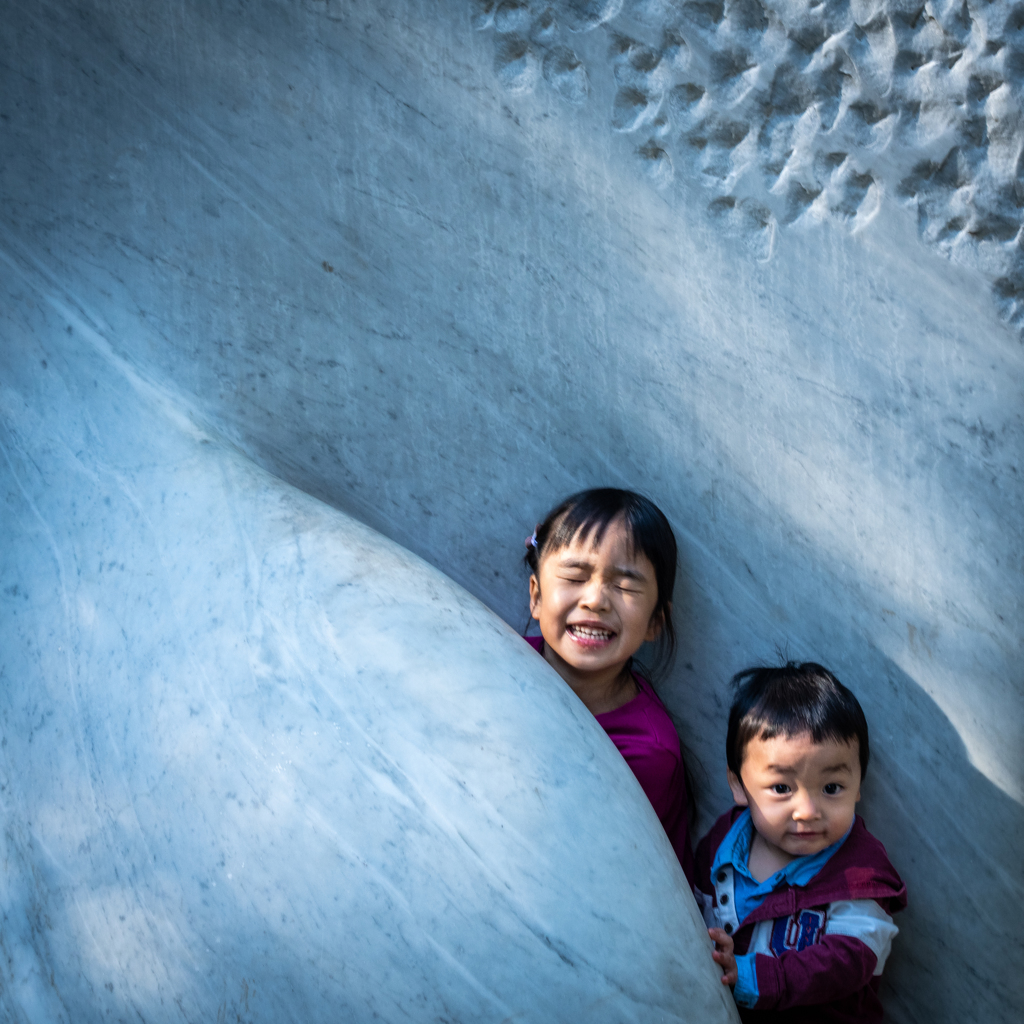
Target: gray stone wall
427 264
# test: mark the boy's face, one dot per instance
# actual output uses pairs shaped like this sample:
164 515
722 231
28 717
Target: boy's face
802 795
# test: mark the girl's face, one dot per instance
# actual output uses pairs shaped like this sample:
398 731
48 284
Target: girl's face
595 604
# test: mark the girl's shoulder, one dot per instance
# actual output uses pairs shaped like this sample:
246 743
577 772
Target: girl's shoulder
644 687
653 703
646 714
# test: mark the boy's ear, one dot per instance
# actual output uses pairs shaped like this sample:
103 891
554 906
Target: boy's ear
534 596
738 793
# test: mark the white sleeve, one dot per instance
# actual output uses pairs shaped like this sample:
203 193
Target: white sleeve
864 920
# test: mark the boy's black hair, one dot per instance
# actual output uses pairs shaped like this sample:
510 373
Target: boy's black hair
589 514
790 700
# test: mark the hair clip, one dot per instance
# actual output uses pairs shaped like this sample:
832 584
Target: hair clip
531 541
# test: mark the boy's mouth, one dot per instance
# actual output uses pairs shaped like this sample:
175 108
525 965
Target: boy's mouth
589 634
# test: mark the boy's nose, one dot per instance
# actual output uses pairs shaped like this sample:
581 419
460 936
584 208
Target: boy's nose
806 808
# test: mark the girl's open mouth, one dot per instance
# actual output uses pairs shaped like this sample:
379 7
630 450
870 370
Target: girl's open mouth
590 635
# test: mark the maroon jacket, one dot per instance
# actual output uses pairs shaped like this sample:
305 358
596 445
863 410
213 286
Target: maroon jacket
831 978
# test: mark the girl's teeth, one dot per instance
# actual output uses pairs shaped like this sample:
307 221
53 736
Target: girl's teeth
591 634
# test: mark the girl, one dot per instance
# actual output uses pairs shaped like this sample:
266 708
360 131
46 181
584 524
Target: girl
602 568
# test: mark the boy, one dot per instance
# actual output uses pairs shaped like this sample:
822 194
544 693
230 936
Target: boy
795 890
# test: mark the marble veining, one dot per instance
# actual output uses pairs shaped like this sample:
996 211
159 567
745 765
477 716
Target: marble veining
341 236
261 764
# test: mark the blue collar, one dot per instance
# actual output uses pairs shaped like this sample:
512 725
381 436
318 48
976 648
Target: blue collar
734 851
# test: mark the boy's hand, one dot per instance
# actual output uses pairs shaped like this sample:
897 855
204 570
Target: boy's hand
723 955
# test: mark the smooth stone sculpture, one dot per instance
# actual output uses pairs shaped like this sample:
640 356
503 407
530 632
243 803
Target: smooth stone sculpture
442 277
261 764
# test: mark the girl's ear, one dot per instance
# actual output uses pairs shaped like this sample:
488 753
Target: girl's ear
534 596
657 624
738 793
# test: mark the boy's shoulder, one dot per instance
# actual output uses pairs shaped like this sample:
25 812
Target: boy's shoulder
708 846
859 869
704 856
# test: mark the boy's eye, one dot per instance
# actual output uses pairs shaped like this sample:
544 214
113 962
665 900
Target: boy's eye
781 788
832 788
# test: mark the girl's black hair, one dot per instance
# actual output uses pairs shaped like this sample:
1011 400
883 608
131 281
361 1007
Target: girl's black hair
589 514
790 700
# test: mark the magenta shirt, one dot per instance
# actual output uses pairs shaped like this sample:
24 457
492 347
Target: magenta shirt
645 736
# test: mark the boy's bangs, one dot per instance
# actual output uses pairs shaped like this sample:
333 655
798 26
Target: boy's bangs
790 701
768 727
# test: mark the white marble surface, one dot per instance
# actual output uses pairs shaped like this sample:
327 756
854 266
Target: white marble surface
261 764
442 296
